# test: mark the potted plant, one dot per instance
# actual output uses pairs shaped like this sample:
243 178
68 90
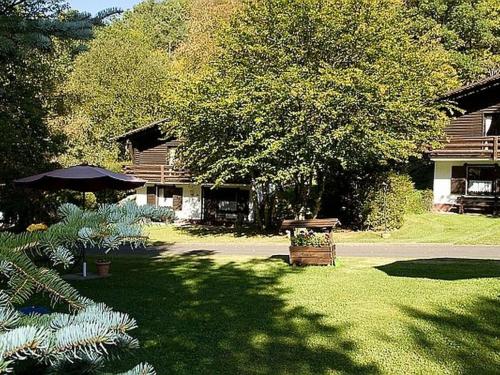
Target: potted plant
102 267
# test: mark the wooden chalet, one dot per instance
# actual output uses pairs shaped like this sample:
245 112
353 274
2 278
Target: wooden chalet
466 167
154 158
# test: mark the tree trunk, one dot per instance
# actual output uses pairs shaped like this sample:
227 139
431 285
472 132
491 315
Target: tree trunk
317 201
256 207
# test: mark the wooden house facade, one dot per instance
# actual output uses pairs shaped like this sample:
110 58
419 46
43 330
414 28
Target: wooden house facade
466 167
154 158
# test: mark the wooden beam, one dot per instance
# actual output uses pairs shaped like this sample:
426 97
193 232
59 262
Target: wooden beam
495 148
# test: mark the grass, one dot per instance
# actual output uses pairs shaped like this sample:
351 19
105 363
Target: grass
233 315
160 234
436 228
425 228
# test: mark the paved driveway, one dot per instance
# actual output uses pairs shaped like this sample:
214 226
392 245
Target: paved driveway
414 251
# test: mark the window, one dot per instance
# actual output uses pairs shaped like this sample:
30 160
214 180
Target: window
492 124
481 180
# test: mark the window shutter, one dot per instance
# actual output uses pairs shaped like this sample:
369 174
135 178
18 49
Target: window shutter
458 174
151 195
177 199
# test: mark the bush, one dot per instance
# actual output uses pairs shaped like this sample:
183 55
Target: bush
399 198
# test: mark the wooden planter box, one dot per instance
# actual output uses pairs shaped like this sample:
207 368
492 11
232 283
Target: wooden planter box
317 256
308 255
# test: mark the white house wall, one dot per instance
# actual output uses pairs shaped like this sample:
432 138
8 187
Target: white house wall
442 179
140 196
191 201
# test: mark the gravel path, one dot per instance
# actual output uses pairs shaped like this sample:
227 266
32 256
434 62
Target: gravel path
414 251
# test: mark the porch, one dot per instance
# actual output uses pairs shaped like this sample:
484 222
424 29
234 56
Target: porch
199 203
158 173
475 148
471 186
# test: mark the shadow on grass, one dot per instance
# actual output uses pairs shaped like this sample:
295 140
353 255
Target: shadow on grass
443 268
216 230
469 338
197 316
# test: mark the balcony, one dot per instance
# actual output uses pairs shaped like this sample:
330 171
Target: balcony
156 173
468 148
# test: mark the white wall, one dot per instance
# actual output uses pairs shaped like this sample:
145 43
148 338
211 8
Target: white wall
191 203
442 179
140 196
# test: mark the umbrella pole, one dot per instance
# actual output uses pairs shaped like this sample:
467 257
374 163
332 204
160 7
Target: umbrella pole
84 265
84 270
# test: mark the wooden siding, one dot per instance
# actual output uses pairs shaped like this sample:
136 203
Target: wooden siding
153 155
465 136
470 124
149 159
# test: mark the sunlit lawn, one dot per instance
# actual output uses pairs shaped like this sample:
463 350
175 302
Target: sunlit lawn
211 234
425 228
437 228
235 315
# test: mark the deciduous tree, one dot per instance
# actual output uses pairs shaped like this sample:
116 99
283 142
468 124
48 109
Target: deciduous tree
301 88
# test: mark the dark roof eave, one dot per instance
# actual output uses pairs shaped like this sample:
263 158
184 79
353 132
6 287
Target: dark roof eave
139 130
471 88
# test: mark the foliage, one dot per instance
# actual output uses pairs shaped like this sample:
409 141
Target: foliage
387 206
199 48
469 29
80 341
76 342
310 238
117 84
328 91
106 228
32 34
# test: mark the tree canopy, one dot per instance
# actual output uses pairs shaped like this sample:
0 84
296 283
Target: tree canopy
32 35
117 84
469 29
303 87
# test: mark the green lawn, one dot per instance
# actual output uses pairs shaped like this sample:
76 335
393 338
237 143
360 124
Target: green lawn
425 228
234 315
436 228
212 234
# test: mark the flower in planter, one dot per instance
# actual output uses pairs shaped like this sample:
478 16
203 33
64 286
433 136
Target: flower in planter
37 227
310 238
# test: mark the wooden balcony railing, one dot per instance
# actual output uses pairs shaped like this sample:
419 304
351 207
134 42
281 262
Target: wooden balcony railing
158 173
468 148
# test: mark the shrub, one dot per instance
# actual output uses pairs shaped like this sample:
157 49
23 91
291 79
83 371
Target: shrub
386 208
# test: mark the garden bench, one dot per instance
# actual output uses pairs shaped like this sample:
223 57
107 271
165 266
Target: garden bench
478 204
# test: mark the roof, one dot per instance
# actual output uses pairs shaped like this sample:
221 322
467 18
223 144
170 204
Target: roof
310 223
474 87
139 130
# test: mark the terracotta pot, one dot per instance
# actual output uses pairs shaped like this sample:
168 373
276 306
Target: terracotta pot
103 267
